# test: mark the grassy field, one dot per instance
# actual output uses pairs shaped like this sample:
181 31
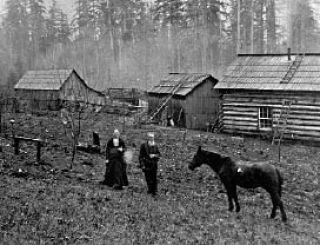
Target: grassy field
52 203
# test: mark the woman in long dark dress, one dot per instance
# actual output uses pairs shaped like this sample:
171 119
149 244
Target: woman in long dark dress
116 175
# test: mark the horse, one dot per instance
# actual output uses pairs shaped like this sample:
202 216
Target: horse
244 174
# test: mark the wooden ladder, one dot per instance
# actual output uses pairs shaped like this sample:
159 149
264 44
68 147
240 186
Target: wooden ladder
292 69
281 122
164 102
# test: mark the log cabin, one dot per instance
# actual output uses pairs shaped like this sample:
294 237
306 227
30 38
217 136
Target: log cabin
255 87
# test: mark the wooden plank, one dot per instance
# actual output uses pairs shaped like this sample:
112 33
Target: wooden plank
239 109
28 139
252 100
294 107
239 113
242 118
307 133
239 127
272 101
276 114
300 113
263 94
303 128
303 118
262 98
240 123
307 138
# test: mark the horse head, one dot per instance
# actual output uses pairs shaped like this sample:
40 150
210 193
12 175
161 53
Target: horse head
212 157
197 160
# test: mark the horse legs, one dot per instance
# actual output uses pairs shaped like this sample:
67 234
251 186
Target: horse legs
276 201
235 197
283 213
230 201
232 195
274 208
237 202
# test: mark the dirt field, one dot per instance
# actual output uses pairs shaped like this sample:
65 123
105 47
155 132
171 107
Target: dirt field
51 203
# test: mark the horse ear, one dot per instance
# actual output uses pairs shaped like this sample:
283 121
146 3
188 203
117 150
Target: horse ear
199 148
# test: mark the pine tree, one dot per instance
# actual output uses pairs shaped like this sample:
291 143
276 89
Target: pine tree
271 26
170 16
64 31
51 23
16 27
37 28
82 17
303 26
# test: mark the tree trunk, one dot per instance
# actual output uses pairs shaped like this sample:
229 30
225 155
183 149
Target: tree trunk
271 26
260 27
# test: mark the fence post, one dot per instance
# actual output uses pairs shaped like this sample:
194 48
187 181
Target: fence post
16 146
0 117
38 150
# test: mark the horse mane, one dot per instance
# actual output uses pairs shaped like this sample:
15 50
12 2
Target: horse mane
222 160
228 160
215 159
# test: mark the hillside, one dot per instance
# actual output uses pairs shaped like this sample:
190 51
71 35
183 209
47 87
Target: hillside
51 203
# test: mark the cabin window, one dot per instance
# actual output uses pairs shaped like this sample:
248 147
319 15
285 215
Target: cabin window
265 117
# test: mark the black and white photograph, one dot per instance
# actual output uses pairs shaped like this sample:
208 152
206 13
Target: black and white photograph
154 122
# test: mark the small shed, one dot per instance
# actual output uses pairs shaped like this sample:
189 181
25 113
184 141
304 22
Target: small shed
48 89
255 88
193 103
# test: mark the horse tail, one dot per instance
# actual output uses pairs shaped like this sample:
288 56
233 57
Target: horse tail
280 181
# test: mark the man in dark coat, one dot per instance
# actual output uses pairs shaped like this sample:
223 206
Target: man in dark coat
116 175
148 160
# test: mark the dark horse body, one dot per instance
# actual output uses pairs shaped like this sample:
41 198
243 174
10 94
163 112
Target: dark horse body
244 174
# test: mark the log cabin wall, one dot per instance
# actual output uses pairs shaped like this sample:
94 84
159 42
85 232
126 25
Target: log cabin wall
242 113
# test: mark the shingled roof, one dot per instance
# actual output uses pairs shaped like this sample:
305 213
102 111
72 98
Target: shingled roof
267 72
189 82
44 79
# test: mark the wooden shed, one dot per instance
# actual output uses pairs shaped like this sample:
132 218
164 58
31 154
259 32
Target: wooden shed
255 88
41 89
191 100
